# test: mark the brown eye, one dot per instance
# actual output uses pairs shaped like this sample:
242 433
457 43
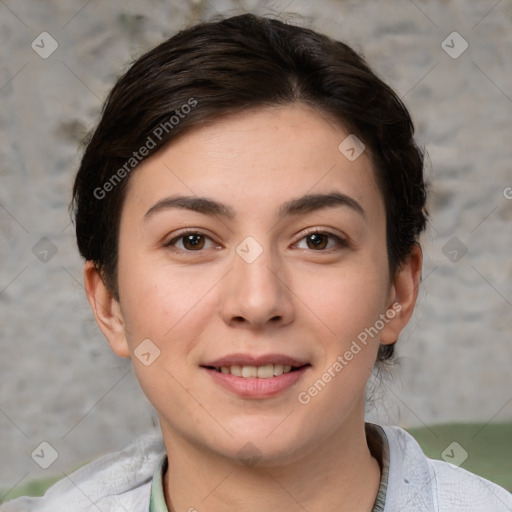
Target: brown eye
322 241
193 242
190 242
317 241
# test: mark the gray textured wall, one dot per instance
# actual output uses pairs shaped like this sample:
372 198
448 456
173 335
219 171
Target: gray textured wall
60 383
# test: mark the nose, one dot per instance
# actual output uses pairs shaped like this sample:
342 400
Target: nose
256 293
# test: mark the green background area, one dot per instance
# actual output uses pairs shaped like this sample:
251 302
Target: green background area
489 449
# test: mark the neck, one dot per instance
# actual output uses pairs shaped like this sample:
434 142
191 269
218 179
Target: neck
339 475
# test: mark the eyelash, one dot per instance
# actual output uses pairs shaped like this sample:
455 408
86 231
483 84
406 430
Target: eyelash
342 243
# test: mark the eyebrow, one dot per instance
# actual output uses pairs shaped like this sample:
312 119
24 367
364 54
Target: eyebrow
299 206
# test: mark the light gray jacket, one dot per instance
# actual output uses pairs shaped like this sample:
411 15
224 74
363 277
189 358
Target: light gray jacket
121 481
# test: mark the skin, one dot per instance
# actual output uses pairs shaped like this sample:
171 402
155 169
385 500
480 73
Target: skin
294 299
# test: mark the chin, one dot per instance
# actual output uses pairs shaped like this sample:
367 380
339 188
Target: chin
265 444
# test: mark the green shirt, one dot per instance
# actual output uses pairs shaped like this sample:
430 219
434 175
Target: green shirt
377 443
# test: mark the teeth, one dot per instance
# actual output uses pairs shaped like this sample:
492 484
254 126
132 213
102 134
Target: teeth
235 370
249 371
261 372
265 372
278 369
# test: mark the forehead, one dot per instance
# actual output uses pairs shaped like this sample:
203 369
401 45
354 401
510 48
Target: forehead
257 158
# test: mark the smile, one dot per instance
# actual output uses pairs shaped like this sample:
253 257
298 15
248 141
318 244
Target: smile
256 377
266 371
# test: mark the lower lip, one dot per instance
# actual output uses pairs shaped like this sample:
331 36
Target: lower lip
249 387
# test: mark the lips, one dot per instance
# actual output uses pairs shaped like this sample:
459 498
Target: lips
256 376
250 360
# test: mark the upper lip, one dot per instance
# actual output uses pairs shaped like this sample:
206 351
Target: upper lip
250 360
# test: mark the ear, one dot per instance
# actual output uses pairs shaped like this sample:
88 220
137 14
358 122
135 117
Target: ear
403 295
106 309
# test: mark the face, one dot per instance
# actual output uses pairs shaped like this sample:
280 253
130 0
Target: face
252 261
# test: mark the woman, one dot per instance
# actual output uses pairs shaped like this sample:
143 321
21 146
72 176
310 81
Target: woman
249 209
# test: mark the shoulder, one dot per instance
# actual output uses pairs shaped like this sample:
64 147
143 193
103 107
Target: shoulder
417 483
120 480
458 489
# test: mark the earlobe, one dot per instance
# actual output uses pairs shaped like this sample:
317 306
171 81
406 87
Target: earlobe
404 294
106 309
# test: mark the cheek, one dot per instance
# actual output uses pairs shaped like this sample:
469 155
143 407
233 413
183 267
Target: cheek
349 309
347 301
164 306
158 298
171 307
